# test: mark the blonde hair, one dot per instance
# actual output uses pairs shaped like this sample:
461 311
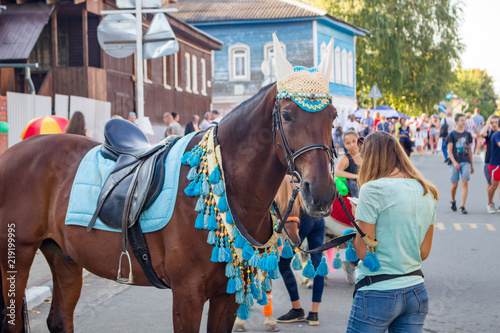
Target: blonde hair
383 117
381 153
283 196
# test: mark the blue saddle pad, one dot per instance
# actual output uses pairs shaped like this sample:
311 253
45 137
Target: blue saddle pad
95 169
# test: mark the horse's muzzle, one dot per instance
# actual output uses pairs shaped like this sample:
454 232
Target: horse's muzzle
318 200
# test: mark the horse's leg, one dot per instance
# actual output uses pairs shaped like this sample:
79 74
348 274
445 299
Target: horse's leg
187 308
221 314
67 285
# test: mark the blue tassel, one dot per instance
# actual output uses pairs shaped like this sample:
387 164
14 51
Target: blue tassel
185 158
350 254
240 297
229 218
228 256
192 173
368 262
212 222
247 252
254 261
280 242
297 263
240 242
267 285
195 159
211 237
272 262
230 272
214 176
255 291
376 262
230 286
263 262
200 205
323 268
197 189
199 222
205 188
274 275
206 216
190 189
235 233
222 254
243 312
337 262
238 283
263 301
218 188
249 300
215 254
287 252
222 205
308 271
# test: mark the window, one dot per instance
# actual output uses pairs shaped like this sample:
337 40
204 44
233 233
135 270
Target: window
203 77
177 71
188 72
350 69
344 67
239 62
323 51
166 67
269 57
195 74
147 70
337 65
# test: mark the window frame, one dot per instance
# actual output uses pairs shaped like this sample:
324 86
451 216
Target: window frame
166 64
203 63
146 69
187 57
344 67
232 62
338 77
194 74
350 69
177 78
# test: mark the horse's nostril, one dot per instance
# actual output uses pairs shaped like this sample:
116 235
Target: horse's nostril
306 187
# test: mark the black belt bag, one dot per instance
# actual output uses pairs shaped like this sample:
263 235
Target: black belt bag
369 280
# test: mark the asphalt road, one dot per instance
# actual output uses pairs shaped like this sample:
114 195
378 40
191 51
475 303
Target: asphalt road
461 275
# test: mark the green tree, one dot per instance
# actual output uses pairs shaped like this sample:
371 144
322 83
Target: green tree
476 87
410 52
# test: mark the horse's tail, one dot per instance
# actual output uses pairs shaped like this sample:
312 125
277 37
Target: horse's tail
3 311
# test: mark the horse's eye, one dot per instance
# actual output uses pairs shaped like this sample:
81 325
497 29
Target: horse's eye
286 116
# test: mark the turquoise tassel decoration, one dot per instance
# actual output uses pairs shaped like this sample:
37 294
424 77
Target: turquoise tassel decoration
194 161
263 262
254 261
274 275
350 254
211 237
263 301
221 251
337 262
199 222
368 262
376 262
229 218
227 254
238 283
323 268
222 205
255 291
243 312
205 188
214 177
190 189
240 242
249 300
258 292
200 205
197 189
240 297
230 286
230 272
192 173
247 253
206 216
297 263
267 284
212 221
309 271
215 254
185 158
280 242
272 262
218 188
287 252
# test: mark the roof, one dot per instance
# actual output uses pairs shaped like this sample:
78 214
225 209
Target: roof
205 11
21 26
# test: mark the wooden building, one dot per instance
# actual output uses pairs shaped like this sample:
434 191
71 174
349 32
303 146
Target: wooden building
61 36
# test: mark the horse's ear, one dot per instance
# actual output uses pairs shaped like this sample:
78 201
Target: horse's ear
283 67
325 67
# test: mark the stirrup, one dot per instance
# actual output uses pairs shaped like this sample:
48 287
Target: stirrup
124 280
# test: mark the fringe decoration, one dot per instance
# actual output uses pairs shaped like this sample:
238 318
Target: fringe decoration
263 263
192 173
199 222
230 286
189 191
200 205
229 218
238 283
240 297
218 188
243 312
323 268
350 254
211 237
185 158
230 272
263 301
275 274
272 262
205 188
287 252
222 205
214 177
254 261
308 271
247 253
215 254
337 262
297 263
249 299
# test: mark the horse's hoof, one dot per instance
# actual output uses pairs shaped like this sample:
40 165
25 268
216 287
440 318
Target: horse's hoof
272 328
239 328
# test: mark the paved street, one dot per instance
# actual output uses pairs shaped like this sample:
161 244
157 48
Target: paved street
461 276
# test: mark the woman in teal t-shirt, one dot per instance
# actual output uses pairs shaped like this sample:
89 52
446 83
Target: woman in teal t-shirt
397 207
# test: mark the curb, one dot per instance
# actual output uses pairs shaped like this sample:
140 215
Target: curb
38 294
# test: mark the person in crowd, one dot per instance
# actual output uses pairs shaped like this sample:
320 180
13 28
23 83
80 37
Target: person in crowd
76 125
424 128
404 136
132 117
337 133
434 127
470 127
479 122
397 207
352 125
216 118
367 123
192 125
492 165
460 152
312 229
383 124
419 141
168 119
447 126
176 116
347 167
205 123
376 119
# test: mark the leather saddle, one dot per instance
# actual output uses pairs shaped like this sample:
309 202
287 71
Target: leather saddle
137 178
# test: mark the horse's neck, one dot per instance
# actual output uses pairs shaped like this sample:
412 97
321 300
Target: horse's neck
253 172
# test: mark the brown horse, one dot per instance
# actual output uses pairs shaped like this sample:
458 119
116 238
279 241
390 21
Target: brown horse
36 176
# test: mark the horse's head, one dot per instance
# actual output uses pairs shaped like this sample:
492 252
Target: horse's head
303 117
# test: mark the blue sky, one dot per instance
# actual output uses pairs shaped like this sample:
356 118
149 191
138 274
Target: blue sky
481 35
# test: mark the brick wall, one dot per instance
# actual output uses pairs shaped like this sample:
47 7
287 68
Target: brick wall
3 117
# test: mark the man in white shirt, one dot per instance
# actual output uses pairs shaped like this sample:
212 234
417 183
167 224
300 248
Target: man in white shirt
206 122
352 125
173 127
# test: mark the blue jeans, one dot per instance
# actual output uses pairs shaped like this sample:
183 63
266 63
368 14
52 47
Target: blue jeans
463 173
399 310
444 148
314 230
